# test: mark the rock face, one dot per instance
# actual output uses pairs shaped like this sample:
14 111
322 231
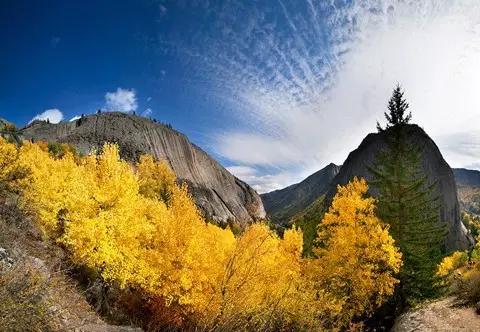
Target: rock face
283 204
220 195
434 166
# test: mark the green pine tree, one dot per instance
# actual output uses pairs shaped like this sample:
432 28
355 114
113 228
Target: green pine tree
407 202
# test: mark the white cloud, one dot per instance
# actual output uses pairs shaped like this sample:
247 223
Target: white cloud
302 104
53 115
262 183
122 100
76 117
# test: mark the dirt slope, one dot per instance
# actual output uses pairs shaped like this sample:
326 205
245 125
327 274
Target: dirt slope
445 315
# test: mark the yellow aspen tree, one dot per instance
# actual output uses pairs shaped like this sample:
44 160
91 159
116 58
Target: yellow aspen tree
156 178
260 279
56 188
356 258
13 174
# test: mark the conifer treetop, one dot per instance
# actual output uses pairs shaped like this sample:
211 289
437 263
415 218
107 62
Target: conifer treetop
397 107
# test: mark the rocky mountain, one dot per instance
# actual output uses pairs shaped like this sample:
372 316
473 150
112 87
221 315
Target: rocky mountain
283 204
220 195
468 186
467 177
434 166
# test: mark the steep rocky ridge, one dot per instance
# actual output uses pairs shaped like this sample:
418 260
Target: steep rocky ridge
283 204
467 177
434 166
220 195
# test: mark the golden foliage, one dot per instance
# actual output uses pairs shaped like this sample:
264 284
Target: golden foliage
156 178
356 257
97 210
139 229
12 172
460 273
450 263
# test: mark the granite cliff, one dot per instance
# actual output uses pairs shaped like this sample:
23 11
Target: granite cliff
220 195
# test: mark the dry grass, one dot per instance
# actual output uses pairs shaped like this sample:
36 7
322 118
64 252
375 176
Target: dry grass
24 305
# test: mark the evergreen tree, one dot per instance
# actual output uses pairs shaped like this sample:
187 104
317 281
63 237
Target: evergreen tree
397 107
408 203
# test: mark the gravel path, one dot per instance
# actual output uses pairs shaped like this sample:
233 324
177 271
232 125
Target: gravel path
443 315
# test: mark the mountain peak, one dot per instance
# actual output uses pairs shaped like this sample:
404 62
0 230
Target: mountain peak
283 204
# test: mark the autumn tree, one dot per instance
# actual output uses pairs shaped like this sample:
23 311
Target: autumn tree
260 280
356 258
408 203
156 178
12 172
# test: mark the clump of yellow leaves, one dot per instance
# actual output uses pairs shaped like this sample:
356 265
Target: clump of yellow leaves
356 257
12 172
140 229
451 263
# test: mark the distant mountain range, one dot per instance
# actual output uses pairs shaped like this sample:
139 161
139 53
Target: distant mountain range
283 204
222 197
468 185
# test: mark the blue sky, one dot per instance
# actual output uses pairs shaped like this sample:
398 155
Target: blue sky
274 90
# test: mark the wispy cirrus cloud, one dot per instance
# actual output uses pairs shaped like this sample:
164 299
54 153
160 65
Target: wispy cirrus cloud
304 82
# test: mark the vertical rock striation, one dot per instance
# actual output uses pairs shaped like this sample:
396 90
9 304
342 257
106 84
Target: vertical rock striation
220 195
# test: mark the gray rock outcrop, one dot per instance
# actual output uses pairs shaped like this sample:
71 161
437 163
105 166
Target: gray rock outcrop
220 195
434 166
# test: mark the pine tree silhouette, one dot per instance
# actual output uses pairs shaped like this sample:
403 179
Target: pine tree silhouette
397 106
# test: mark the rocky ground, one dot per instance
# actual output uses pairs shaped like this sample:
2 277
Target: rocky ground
445 315
36 291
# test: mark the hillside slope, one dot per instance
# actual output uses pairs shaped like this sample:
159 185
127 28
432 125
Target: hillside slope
281 205
37 290
468 186
220 195
435 167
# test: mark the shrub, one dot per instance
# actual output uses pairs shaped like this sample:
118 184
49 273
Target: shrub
23 294
461 275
